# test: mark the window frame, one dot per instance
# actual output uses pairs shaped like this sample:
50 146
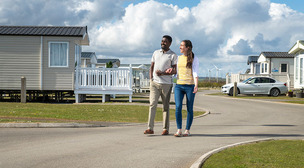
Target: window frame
264 68
286 67
296 59
301 74
67 52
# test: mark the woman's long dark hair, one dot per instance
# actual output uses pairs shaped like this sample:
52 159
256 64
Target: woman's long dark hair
190 54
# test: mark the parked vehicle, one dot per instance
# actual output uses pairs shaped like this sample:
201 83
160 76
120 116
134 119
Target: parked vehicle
257 85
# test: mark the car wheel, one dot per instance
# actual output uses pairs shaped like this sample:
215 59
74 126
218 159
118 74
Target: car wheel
231 92
274 92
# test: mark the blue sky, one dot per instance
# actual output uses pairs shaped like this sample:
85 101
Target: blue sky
179 3
224 32
294 4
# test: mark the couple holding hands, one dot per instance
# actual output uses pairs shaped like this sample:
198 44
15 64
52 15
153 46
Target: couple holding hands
164 64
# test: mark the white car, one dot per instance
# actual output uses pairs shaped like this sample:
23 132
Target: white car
257 85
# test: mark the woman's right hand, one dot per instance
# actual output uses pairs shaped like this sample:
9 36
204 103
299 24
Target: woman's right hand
195 89
168 71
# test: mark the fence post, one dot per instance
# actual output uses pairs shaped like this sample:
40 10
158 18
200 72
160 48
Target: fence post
23 89
235 89
130 77
103 78
77 78
131 81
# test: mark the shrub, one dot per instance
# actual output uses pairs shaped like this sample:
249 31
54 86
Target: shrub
210 84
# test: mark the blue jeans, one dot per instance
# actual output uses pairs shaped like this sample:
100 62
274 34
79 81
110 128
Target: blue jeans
179 92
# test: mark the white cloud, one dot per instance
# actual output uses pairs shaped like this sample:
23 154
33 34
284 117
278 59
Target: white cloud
279 11
241 48
223 32
58 12
139 30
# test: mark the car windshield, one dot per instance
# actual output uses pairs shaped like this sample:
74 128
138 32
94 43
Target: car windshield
246 80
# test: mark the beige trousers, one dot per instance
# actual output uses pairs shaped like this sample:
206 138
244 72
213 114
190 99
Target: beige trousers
156 90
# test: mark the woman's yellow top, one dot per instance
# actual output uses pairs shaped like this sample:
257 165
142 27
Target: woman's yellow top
184 74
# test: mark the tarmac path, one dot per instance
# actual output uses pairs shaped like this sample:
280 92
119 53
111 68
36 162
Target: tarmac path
231 121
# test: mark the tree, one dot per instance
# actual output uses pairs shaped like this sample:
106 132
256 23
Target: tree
109 65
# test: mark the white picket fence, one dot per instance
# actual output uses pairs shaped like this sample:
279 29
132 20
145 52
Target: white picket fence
103 81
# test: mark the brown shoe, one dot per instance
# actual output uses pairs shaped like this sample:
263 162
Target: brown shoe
165 132
148 131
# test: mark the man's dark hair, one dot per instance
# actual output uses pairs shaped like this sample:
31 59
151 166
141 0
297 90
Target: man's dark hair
168 38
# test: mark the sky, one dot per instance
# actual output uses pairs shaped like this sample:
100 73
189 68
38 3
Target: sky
223 32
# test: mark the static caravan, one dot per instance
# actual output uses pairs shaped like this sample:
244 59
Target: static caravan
298 51
254 65
141 78
88 60
103 63
279 65
45 55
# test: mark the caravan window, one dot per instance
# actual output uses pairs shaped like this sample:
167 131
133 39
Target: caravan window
283 68
58 54
264 67
297 67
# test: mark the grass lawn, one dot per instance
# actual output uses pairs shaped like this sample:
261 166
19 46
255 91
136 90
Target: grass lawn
296 102
37 112
269 154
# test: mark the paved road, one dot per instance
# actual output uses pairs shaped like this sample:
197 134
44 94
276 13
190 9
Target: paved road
230 121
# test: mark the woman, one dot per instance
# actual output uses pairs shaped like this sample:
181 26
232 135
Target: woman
187 81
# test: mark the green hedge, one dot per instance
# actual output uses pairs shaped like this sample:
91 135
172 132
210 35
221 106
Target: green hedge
210 84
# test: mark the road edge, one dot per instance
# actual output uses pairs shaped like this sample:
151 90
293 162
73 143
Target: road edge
199 162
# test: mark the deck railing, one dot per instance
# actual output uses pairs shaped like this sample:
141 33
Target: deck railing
103 78
145 83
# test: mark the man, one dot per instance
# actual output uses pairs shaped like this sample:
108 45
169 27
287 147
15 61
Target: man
161 83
